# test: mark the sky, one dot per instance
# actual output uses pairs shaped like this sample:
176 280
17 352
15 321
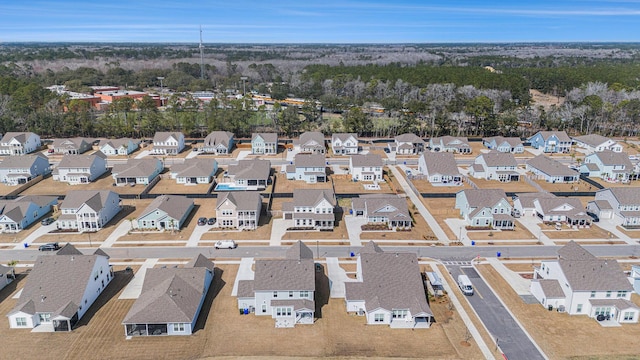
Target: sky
327 21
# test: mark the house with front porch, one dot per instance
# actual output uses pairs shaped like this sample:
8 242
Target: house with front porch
439 168
495 165
581 284
238 210
311 142
609 166
118 147
167 143
72 146
552 209
596 143
253 174
166 212
550 170
388 289
485 208
388 209
282 288
366 167
19 213
308 167
194 171
170 300
18 170
407 144
136 171
19 143
551 141
218 142
454 144
344 143
264 143
7 275
311 209
504 144
80 169
523 203
625 204
88 210
59 291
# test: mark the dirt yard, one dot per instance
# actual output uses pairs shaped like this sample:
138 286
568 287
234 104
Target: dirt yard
519 233
545 100
513 186
557 187
594 232
287 186
339 233
344 185
105 182
419 231
169 186
562 336
442 209
424 186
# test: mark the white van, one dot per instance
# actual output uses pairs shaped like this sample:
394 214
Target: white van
465 285
225 244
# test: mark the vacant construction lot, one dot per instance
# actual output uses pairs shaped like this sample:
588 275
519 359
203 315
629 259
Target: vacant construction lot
222 332
513 186
562 336
424 186
562 187
105 182
167 185
442 209
593 232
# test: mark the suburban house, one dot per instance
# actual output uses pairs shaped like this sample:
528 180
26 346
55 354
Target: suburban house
524 202
17 214
308 167
254 174
388 209
551 141
366 167
609 166
166 212
19 143
625 202
7 275
218 142
136 171
602 208
264 143
388 289
634 277
168 143
439 168
238 210
450 144
194 171
597 143
282 288
551 209
72 146
170 300
60 289
504 144
80 169
123 147
311 208
495 165
311 142
550 170
18 170
581 284
344 143
407 144
88 210
485 208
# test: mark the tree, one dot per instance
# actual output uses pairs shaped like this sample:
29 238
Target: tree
479 108
355 120
289 121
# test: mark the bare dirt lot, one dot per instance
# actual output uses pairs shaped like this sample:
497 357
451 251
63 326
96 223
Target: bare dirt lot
169 186
513 186
442 209
222 332
557 187
562 336
424 186
594 232
344 185
105 182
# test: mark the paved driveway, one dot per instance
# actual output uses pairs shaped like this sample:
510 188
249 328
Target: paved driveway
42 230
354 228
531 223
511 338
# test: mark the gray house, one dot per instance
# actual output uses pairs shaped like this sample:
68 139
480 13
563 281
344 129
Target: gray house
311 142
194 171
218 142
264 143
170 300
72 146
17 214
136 171
254 174
311 208
485 208
450 144
168 143
504 144
238 210
439 168
308 167
17 170
388 209
549 170
495 165
407 144
80 169
166 212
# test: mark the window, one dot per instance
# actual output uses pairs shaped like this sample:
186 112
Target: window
275 294
622 294
178 327
304 294
628 316
400 314
593 294
378 318
579 308
21 321
608 294
290 294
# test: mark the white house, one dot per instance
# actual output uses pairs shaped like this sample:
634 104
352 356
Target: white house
238 210
18 214
551 141
168 143
264 143
7 275
136 171
218 142
366 167
388 209
72 146
439 168
450 144
311 209
407 144
194 171
18 170
166 212
609 166
495 165
80 169
308 167
170 300
596 143
625 202
504 144
88 210
60 289
19 143
560 209
523 203
254 174
282 288
122 147
550 170
388 289
311 142
581 284
485 208
344 143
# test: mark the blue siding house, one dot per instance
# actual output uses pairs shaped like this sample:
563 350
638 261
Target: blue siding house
551 141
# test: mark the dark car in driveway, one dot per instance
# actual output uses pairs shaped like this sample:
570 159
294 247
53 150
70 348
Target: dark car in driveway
49 247
593 216
202 221
211 221
47 221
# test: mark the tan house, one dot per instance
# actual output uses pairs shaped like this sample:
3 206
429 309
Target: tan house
238 210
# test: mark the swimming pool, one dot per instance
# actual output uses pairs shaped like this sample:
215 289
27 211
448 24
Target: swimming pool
229 187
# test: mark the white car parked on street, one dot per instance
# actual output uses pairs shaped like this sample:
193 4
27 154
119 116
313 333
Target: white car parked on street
225 244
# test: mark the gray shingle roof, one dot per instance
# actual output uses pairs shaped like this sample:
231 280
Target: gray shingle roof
550 166
173 205
625 195
620 304
162 136
267 137
136 168
70 143
69 249
311 197
366 160
344 136
561 135
495 158
409 137
117 143
311 138
512 141
16 209
527 199
443 163
592 140
195 168
390 206
218 138
76 161
242 200
610 158
21 162
93 198
299 250
484 197
551 288
309 160
293 273
19 136
250 169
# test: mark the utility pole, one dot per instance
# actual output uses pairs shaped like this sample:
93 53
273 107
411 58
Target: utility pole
243 78
201 55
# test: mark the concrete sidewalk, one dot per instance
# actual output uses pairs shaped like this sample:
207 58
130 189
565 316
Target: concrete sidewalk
134 288
519 284
41 231
531 223
121 230
244 273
